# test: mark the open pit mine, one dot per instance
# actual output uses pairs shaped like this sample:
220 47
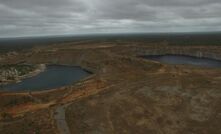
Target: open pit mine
121 93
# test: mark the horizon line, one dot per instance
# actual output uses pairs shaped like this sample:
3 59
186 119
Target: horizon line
100 34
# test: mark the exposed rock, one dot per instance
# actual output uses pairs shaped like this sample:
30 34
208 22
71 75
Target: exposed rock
14 73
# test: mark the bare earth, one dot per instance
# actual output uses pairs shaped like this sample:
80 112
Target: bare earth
126 94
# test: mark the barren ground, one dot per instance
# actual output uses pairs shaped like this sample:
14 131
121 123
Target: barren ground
125 94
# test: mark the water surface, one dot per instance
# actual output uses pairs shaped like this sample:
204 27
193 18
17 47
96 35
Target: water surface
184 60
54 76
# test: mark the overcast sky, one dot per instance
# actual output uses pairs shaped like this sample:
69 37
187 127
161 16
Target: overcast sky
57 17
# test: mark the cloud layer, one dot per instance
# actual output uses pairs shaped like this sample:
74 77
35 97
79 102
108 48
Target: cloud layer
55 17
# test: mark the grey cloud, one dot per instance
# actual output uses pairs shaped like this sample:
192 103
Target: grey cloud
37 17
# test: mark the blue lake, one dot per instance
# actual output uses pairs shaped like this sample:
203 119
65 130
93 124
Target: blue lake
54 76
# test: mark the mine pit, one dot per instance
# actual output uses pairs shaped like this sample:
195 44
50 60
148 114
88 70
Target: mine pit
184 60
54 76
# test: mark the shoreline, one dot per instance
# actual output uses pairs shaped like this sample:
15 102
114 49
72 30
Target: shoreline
40 68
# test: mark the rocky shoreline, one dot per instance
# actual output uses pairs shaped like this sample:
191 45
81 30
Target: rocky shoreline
14 74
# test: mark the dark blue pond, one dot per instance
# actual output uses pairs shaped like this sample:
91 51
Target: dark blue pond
184 60
54 76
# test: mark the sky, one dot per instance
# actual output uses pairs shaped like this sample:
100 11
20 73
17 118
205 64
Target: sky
60 17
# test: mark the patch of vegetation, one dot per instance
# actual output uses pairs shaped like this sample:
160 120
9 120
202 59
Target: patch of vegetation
6 116
13 100
18 100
